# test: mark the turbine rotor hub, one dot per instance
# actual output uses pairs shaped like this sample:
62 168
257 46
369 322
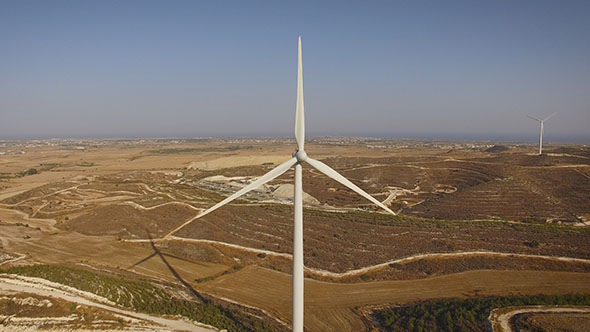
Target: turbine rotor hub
300 155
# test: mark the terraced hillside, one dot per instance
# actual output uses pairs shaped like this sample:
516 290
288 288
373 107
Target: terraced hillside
464 215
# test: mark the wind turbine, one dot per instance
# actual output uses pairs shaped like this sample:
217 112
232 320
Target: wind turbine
541 123
298 158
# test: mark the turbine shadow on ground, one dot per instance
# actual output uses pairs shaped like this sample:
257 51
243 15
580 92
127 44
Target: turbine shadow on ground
174 273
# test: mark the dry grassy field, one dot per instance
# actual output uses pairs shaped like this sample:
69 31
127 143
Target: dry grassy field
334 306
574 322
471 221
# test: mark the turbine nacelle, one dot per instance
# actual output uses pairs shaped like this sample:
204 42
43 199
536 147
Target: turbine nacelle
300 155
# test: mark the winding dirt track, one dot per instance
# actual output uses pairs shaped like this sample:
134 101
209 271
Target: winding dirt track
367 268
141 207
48 225
501 322
17 258
46 288
16 216
332 306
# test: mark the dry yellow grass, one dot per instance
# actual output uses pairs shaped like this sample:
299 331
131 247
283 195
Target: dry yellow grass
330 306
105 252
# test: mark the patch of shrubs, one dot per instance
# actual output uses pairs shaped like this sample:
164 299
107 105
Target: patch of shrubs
30 171
144 296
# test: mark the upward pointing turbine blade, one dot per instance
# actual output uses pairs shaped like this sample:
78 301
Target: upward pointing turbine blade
274 173
320 166
299 116
549 117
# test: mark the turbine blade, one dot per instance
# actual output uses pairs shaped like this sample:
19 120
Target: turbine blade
274 173
320 166
549 117
299 115
530 117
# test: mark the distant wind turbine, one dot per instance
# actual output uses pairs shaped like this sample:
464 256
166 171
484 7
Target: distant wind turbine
541 123
299 157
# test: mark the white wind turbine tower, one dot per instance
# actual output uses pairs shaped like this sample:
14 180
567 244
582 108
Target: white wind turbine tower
298 158
542 129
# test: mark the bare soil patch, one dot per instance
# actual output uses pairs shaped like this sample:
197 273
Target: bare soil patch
126 221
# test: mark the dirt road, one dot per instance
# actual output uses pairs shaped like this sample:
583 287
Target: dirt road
46 288
501 322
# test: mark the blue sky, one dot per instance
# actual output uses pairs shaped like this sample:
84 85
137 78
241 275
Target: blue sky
420 69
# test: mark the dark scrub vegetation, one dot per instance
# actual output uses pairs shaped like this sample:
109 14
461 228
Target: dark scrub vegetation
462 315
145 296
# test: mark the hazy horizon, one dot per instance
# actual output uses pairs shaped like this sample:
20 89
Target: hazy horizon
458 70
411 137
